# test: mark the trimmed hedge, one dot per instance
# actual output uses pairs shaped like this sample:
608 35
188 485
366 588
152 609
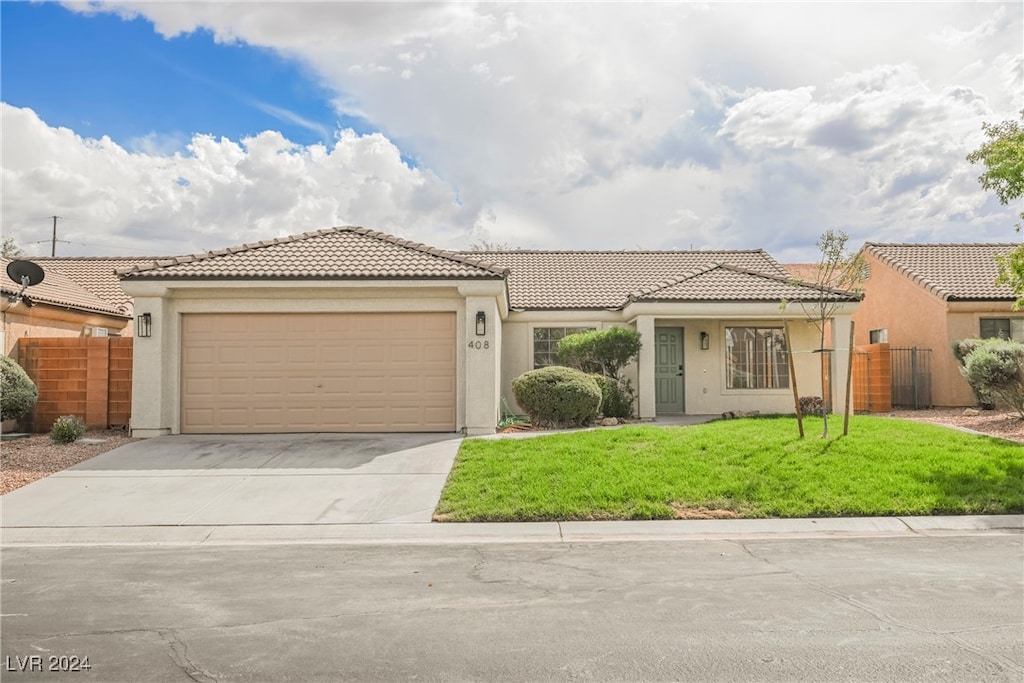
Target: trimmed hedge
558 397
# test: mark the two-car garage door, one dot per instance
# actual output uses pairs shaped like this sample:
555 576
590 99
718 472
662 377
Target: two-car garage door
316 372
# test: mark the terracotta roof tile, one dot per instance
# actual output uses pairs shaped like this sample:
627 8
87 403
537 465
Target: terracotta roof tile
720 282
952 271
97 274
334 253
57 289
593 280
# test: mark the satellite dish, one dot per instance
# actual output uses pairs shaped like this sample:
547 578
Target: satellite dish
25 273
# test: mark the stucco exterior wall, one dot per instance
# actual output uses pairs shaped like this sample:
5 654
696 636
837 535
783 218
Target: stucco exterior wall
21 322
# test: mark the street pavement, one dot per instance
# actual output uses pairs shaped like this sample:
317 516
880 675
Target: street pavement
917 608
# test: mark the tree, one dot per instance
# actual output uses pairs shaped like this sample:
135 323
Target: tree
1003 156
839 272
10 248
485 245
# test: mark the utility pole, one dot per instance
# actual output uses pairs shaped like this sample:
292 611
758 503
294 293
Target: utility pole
53 244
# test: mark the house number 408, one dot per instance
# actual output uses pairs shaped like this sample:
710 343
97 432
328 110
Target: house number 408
479 344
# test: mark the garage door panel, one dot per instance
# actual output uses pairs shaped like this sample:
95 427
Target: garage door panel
318 372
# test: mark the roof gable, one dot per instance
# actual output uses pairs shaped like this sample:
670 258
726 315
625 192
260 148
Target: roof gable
597 280
59 290
721 282
335 253
965 272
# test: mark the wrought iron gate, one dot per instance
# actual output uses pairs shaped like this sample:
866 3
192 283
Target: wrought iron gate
911 378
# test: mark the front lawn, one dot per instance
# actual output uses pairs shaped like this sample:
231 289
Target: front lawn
754 467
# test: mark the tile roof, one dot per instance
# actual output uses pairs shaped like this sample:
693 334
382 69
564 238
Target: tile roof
807 272
594 280
57 289
335 253
965 272
97 274
721 282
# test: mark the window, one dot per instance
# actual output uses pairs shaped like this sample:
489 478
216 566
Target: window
879 336
545 343
755 358
1004 328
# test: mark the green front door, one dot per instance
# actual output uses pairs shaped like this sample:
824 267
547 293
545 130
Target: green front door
669 380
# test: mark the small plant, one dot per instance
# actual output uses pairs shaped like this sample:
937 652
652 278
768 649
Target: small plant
557 396
67 429
508 418
812 405
962 349
17 391
617 396
996 368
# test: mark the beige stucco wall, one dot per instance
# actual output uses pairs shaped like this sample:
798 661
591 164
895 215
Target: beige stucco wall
157 362
704 369
20 322
915 316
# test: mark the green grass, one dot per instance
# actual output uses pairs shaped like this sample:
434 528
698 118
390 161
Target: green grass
756 467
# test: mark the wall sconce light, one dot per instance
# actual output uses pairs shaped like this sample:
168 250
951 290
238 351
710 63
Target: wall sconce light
144 325
481 323
705 341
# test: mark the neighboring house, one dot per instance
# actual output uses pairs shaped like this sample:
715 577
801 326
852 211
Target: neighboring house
348 329
930 295
98 274
56 307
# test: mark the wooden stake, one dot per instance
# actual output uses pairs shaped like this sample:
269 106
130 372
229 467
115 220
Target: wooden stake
792 380
849 382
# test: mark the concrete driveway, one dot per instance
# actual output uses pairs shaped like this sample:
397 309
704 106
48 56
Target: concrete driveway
244 480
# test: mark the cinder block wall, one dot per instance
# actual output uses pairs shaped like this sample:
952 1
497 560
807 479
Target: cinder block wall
90 377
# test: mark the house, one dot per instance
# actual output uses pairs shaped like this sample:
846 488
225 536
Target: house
930 295
56 307
348 329
98 275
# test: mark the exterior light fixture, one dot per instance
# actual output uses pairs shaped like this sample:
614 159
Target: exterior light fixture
144 325
705 341
481 323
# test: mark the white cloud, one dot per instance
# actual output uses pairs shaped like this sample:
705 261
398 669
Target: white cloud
612 124
221 192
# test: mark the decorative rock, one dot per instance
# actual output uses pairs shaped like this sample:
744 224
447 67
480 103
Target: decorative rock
609 422
971 412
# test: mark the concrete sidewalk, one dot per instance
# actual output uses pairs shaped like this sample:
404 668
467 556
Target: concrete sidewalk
418 533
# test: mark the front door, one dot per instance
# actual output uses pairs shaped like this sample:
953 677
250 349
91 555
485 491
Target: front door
669 380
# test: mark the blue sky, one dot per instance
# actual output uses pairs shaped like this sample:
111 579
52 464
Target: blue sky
166 128
103 75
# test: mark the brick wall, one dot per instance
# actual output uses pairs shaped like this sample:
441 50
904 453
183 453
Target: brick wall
90 377
872 379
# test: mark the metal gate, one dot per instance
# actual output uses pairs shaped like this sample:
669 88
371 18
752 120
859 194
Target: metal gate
911 378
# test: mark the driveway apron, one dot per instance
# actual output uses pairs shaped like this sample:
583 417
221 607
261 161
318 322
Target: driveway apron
189 480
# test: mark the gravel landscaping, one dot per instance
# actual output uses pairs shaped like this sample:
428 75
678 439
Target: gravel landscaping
25 460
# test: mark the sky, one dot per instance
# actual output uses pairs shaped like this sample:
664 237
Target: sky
173 128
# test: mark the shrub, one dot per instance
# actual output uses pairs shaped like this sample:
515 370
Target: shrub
603 351
812 405
962 349
67 428
996 368
617 396
557 396
18 393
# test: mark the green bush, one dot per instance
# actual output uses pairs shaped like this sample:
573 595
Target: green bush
603 351
67 428
617 396
962 349
557 396
18 393
996 368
